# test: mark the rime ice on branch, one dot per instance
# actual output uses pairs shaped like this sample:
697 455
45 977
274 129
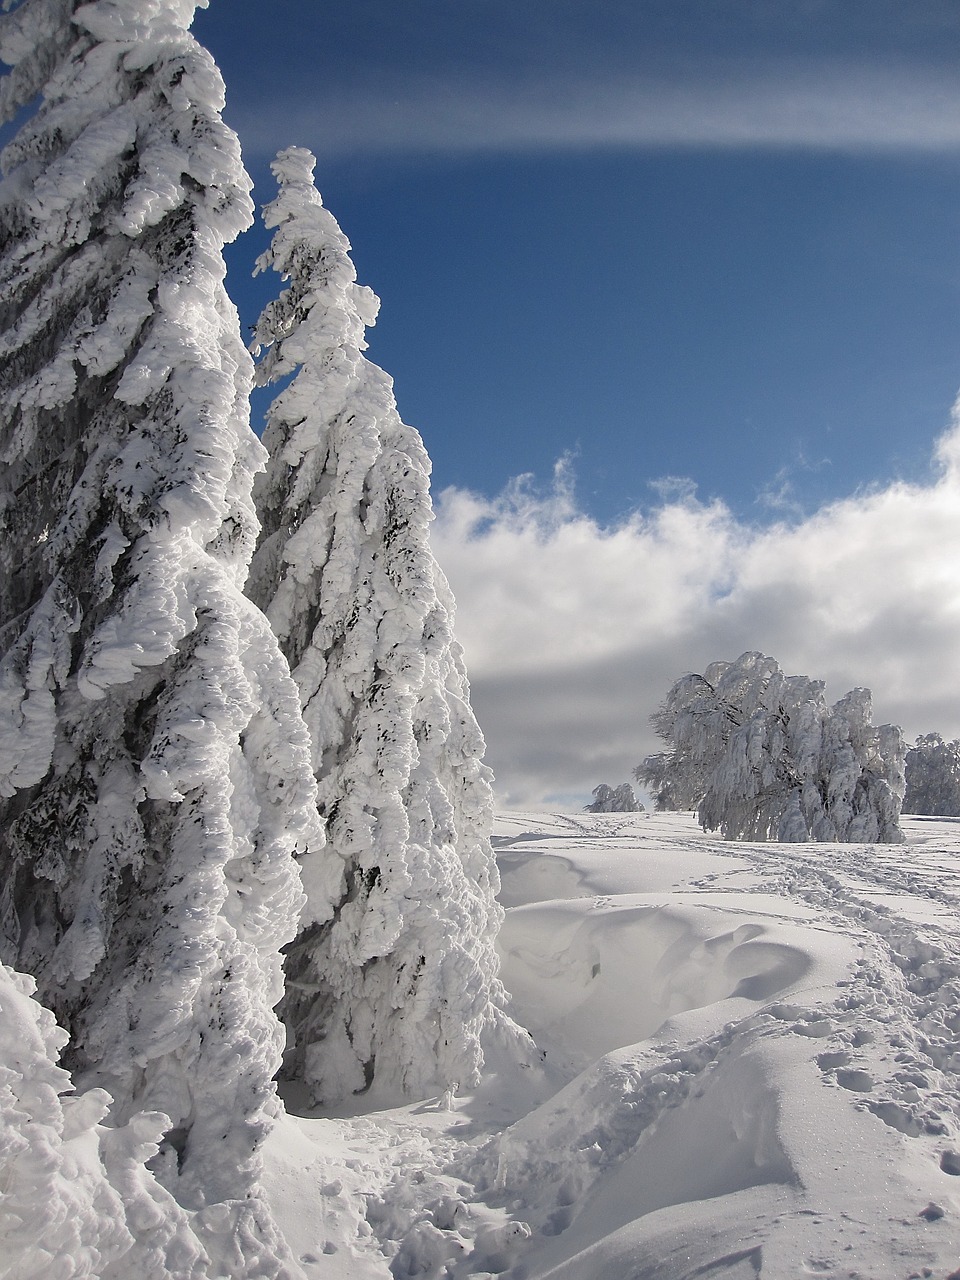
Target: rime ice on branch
761 756
154 768
394 974
78 1200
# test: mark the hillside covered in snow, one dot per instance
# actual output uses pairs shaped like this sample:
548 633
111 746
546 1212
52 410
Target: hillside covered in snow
750 1069
254 1010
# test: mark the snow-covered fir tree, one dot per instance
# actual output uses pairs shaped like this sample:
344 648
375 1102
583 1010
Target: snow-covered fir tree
762 756
933 777
394 975
155 775
607 799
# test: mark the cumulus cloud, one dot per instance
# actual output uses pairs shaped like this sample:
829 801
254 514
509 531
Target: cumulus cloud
809 103
574 631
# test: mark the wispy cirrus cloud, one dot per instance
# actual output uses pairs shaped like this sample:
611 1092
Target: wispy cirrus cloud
825 105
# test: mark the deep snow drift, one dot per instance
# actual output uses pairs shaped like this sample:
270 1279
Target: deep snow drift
751 1070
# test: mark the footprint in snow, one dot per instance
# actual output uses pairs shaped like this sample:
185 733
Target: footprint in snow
855 1080
831 1061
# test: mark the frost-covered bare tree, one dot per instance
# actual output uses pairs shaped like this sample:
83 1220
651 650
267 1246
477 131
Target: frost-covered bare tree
394 974
155 775
762 756
933 777
607 799
695 723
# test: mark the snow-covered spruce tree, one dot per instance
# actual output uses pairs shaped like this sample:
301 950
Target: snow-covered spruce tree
770 760
933 777
154 767
395 981
607 799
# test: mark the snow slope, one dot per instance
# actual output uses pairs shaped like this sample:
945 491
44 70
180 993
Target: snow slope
751 1070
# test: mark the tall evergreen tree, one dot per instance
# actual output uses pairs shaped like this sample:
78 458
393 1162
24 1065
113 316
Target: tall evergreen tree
394 975
154 767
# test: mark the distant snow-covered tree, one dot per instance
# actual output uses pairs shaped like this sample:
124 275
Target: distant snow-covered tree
933 777
155 775
608 799
394 973
762 756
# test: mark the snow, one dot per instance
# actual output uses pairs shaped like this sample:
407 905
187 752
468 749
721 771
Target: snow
745 1062
750 1071
78 1200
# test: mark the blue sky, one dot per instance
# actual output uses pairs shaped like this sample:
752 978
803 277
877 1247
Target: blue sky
715 241
701 253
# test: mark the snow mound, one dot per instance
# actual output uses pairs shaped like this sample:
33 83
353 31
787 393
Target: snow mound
576 975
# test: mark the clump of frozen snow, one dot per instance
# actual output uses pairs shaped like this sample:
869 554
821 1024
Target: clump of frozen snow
78 1197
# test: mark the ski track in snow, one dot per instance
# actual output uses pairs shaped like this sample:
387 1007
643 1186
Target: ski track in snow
907 984
751 1068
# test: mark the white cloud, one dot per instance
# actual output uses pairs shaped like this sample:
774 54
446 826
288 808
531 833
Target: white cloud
826 105
573 632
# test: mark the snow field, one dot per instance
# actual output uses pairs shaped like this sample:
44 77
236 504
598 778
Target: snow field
751 1071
